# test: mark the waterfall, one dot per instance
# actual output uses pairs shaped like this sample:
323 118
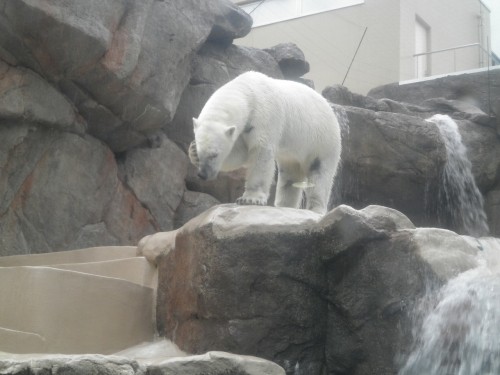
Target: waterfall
460 199
341 181
459 329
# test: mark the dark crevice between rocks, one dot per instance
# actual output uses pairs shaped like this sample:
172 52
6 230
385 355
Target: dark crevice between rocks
122 179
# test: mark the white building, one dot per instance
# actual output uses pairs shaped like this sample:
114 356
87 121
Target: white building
398 40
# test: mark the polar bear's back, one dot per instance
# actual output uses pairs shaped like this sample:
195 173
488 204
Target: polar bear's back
301 114
288 116
287 99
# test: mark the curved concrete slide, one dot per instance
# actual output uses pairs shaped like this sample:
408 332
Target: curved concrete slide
97 300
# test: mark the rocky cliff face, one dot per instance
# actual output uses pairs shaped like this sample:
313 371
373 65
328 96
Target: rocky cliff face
88 94
96 103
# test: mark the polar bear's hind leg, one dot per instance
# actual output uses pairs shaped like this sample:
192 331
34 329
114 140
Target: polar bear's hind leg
288 195
321 174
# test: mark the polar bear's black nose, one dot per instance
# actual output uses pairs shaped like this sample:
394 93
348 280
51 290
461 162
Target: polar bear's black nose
202 174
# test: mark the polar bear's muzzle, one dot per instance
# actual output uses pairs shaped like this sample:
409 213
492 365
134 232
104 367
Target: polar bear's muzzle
205 172
202 173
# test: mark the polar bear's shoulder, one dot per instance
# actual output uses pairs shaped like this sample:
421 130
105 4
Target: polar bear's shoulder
252 78
252 75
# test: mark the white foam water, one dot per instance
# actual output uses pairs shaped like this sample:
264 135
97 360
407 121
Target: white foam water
458 327
460 198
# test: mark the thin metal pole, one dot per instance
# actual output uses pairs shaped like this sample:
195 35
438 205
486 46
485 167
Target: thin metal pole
258 5
355 53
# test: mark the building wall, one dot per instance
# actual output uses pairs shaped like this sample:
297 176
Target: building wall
329 41
451 23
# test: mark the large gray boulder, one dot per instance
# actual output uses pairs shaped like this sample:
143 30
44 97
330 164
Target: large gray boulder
290 58
52 200
390 159
313 294
237 309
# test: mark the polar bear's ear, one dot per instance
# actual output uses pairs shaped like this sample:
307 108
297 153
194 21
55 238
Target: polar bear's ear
195 123
230 131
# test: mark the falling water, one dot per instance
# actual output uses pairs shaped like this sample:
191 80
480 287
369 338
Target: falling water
342 181
462 202
459 330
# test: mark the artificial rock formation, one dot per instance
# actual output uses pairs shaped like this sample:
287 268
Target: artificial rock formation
93 137
96 107
393 157
291 60
106 56
394 160
87 94
310 293
51 200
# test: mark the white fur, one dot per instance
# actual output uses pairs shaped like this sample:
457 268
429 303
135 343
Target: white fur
256 121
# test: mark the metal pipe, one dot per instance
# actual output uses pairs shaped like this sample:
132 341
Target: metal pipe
355 53
447 49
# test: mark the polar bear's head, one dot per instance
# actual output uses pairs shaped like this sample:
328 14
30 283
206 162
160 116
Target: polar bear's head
213 143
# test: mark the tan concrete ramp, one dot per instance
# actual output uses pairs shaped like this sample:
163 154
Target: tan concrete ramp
91 254
98 300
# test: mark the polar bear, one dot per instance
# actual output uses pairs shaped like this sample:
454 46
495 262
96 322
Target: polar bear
258 122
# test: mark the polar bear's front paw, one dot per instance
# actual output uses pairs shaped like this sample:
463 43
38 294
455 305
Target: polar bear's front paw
242 201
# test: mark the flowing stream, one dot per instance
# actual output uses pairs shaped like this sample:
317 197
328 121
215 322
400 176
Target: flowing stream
460 199
457 329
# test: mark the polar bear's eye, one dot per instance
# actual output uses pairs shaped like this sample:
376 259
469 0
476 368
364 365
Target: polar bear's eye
211 156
